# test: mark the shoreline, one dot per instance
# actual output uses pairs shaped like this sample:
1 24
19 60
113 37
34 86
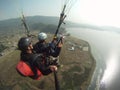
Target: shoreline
93 68
86 61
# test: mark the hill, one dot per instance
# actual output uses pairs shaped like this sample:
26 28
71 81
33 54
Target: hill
44 22
15 22
35 23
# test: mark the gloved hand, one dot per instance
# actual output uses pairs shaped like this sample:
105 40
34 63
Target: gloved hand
52 45
57 41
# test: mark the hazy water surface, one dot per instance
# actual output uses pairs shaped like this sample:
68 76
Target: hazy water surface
106 50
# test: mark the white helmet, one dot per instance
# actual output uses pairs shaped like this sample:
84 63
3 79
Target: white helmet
42 36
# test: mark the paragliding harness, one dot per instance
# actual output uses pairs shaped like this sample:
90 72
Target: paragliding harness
27 31
61 20
25 70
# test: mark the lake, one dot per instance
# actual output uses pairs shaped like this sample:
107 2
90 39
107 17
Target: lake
105 46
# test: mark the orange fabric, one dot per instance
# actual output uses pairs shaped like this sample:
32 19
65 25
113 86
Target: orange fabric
25 70
39 74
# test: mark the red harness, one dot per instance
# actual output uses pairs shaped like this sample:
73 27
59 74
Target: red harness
25 69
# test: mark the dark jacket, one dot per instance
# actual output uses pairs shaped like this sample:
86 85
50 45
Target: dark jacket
36 61
49 49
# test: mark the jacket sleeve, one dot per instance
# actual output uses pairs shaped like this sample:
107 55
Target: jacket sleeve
54 51
39 62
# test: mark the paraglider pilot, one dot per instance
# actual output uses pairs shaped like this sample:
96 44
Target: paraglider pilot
50 50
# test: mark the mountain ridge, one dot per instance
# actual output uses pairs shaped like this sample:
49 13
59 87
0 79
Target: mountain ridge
38 22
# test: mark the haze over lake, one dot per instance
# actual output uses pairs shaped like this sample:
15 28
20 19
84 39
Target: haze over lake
105 47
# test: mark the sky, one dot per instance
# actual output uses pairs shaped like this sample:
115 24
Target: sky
95 12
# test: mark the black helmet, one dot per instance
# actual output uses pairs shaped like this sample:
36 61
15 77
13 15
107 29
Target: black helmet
23 43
